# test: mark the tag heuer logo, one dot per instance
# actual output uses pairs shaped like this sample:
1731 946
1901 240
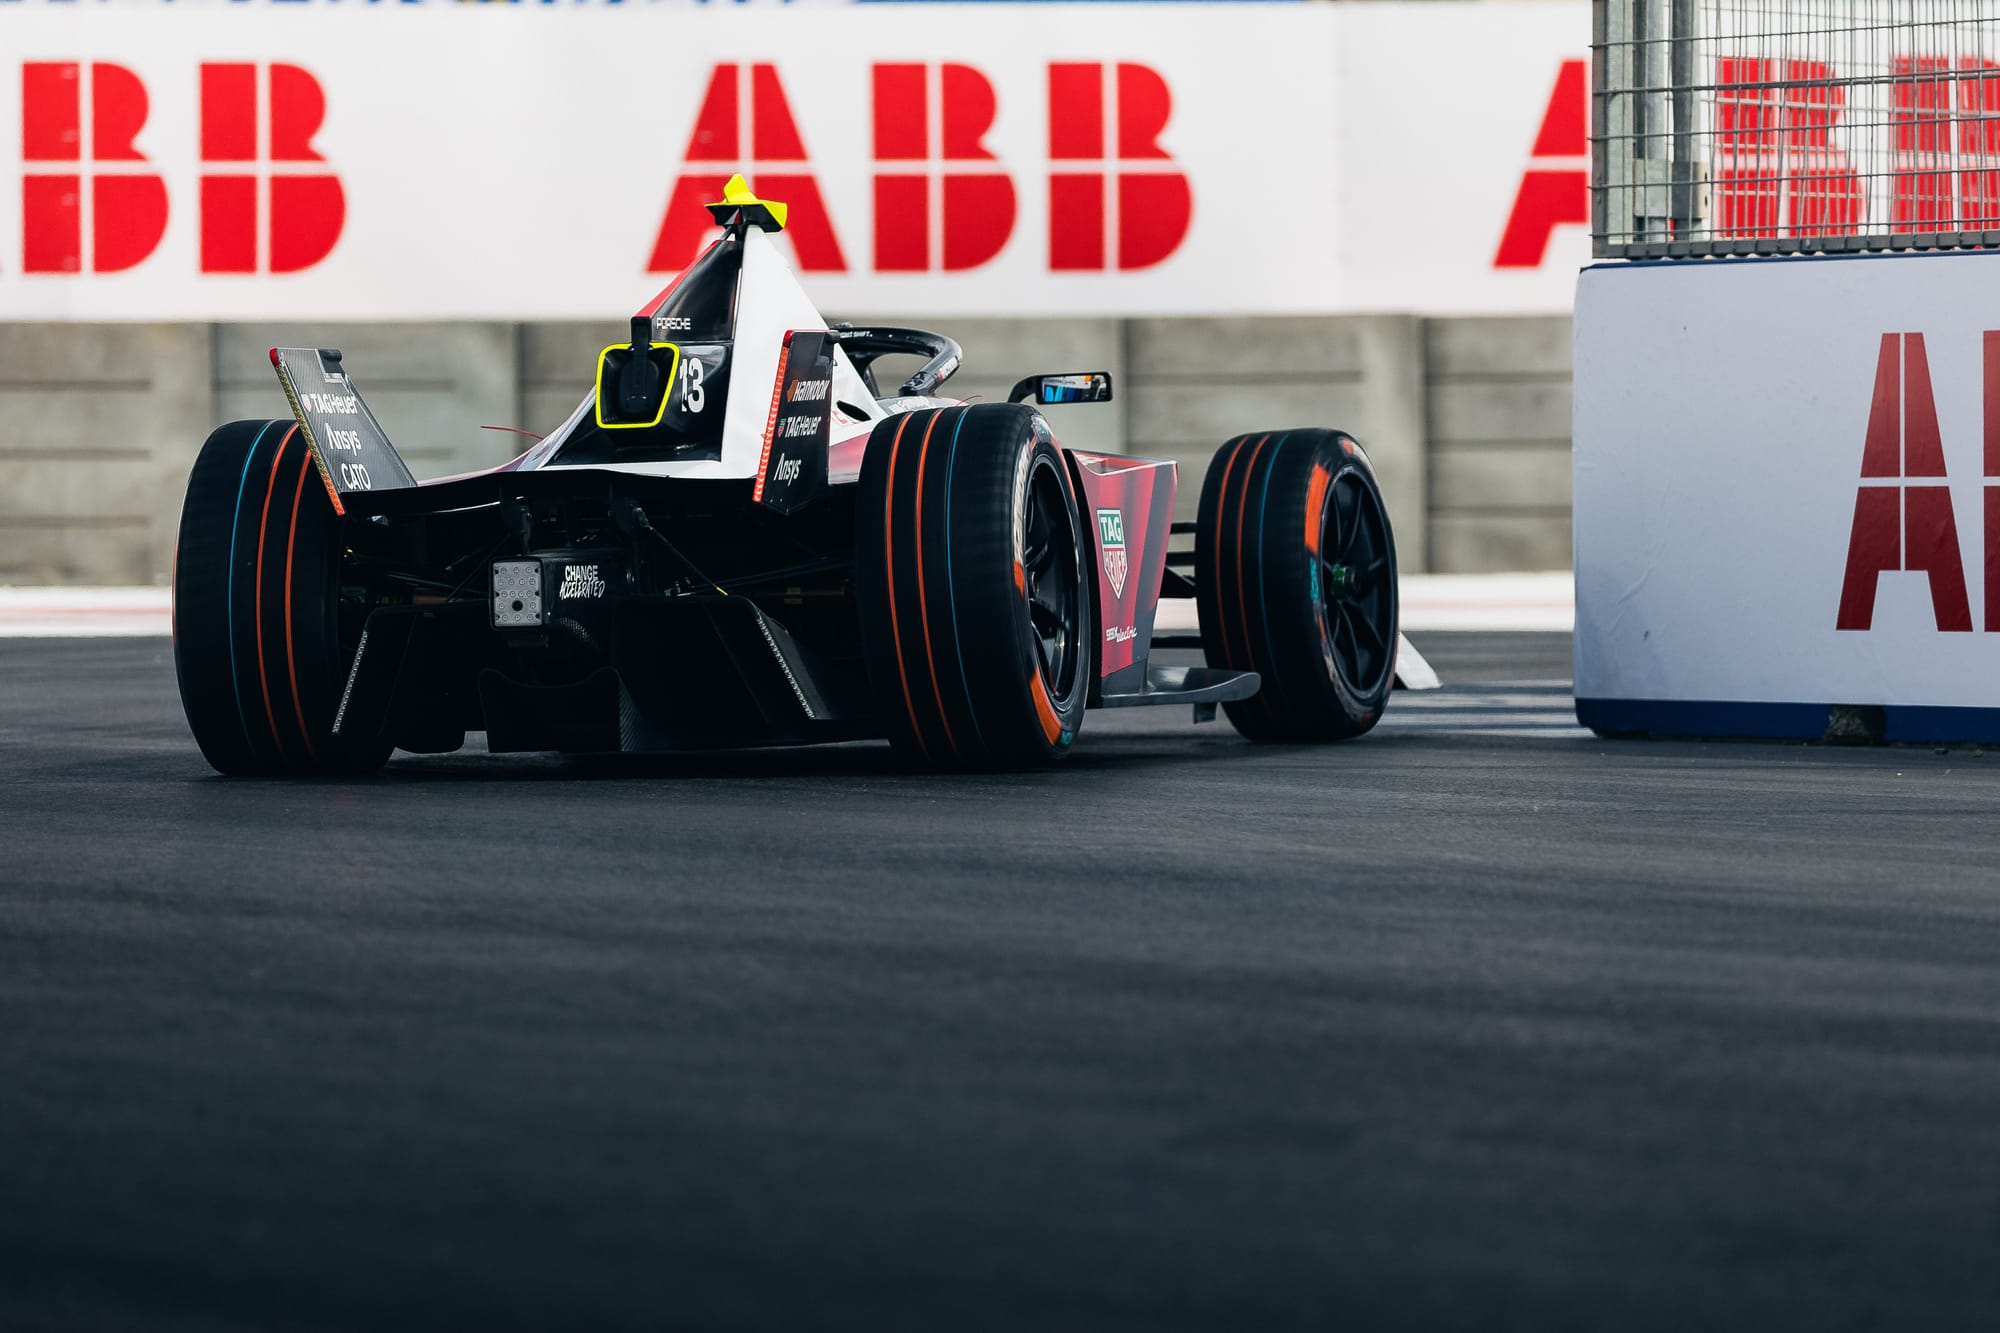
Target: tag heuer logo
1111 543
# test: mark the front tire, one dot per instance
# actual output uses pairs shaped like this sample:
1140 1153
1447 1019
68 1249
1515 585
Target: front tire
973 581
1296 580
257 643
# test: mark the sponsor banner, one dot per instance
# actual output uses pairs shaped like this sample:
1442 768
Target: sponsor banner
505 163
1465 157
1788 493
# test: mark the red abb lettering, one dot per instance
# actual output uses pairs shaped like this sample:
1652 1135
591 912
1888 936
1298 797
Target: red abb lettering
127 207
1155 205
1899 526
307 209
1556 195
1931 189
1774 154
717 138
1990 492
976 208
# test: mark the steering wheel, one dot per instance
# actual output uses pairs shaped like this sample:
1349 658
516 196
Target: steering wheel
864 345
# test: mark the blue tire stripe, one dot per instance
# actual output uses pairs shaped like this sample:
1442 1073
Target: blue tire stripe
235 521
951 587
1263 602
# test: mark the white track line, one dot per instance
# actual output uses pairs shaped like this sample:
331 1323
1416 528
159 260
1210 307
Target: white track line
1430 602
1452 602
39 613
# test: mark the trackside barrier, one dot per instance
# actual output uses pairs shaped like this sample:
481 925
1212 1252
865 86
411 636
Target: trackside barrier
459 162
1787 498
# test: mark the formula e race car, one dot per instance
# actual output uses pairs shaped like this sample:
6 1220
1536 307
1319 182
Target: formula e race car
738 539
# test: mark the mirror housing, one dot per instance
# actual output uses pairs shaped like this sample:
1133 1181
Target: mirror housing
633 380
1080 386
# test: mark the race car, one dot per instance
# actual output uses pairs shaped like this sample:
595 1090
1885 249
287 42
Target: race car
739 539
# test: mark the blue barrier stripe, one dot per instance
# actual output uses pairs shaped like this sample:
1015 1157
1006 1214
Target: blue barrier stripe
1907 723
235 521
951 587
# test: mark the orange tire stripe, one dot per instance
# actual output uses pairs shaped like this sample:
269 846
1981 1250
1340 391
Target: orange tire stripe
1221 508
889 554
1242 512
257 593
291 661
1045 709
923 603
1316 504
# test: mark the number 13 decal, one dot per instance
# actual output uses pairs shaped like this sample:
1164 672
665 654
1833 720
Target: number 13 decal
693 396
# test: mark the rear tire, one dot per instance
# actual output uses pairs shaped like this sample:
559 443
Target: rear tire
973 582
1296 580
256 598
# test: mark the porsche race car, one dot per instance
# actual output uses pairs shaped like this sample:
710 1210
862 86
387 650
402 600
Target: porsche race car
739 538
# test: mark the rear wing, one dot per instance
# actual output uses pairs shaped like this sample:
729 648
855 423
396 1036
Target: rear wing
346 441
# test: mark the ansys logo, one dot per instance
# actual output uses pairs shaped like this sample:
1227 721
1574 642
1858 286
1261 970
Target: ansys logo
1111 541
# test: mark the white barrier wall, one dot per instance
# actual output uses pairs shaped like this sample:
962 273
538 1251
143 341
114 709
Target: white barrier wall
526 163
1787 497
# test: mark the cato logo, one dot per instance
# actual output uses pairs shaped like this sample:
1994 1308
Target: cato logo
91 202
1111 543
944 201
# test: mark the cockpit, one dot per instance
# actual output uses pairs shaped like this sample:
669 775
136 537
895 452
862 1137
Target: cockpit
664 397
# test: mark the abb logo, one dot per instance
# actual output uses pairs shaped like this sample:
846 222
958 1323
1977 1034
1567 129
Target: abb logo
259 210
1154 203
1928 193
975 207
773 138
303 210
126 204
943 200
1774 123
1555 189
1903 517
1778 168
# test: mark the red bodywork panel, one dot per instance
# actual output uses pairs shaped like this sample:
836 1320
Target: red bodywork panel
1128 510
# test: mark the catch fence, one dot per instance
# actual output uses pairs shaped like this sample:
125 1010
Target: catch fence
1734 127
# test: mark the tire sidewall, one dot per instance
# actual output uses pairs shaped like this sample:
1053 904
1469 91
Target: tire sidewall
1043 454
257 649
1350 700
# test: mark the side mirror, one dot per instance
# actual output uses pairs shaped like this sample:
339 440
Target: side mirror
1085 386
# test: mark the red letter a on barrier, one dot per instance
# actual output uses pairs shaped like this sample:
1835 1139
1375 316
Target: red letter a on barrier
718 138
1898 526
1552 196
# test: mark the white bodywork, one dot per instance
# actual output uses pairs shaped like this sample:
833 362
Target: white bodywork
770 303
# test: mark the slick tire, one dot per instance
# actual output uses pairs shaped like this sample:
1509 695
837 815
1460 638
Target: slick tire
973 580
1296 580
256 631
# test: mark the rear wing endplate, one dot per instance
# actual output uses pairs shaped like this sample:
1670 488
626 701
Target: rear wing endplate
346 441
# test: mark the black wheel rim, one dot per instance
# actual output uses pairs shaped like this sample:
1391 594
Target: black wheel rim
1048 566
1356 577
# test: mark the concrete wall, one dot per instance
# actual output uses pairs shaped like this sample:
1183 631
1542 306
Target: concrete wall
1467 420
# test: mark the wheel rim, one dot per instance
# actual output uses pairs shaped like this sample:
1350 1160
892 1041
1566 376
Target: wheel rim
1049 565
1356 579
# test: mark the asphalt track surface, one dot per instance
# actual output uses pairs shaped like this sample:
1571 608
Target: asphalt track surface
1477 1023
